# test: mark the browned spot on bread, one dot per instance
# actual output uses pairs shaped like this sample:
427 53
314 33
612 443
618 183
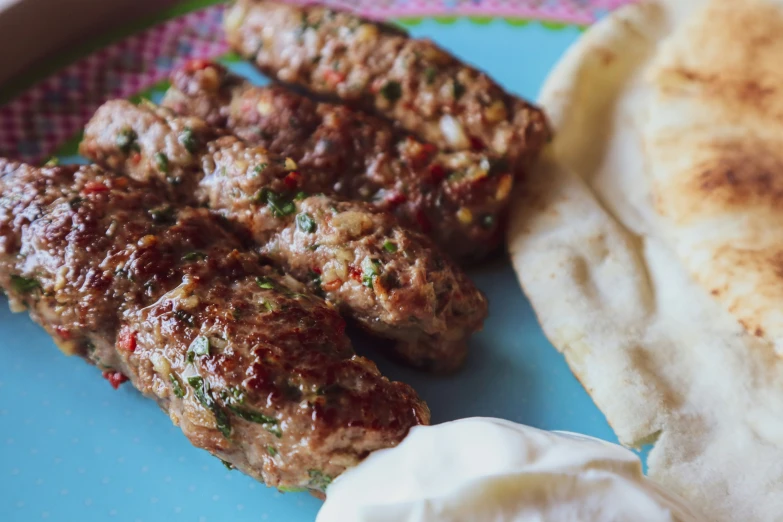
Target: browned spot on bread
745 325
739 89
715 154
776 261
740 174
605 55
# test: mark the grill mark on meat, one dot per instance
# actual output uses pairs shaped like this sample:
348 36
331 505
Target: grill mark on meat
459 199
413 295
423 88
137 294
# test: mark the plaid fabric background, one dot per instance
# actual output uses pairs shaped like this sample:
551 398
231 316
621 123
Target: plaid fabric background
36 123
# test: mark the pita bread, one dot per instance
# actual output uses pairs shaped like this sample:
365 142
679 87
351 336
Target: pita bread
664 360
714 137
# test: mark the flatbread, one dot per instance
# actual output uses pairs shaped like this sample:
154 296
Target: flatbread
663 359
714 137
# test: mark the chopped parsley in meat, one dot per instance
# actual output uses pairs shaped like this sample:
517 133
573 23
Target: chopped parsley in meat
269 306
202 392
390 247
126 141
176 387
163 214
76 202
392 91
188 140
289 489
233 395
269 423
306 223
24 285
162 161
279 205
459 89
430 73
200 346
371 268
265 283
319 480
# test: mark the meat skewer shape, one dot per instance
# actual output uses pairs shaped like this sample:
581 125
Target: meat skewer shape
393 281
373 66
252 367
458 199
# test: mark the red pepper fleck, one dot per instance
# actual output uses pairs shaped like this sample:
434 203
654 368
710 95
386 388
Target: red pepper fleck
94 187
115 379
476 144
63 333
317 270
420 152
429 148
292 180
437 173
424 223
333 77
127 340
196 64
395 199
135 158
331 286
355 273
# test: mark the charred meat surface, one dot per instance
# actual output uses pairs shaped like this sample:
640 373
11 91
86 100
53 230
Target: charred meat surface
458 199
392 280
252 367
423 88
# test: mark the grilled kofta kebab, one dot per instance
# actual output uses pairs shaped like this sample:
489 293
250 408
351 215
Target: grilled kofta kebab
392 280
372 66
251 366
458 199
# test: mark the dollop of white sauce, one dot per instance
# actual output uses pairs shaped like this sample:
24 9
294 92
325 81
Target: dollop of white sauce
491 470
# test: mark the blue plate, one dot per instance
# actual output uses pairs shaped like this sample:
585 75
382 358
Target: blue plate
72 449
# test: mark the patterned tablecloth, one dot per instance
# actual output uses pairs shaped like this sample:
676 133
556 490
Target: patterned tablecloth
45 116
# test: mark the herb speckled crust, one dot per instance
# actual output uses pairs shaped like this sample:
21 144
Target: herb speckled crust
369 65
252 367
458 199
392 280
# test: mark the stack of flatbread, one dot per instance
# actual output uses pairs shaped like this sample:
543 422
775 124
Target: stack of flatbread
650 241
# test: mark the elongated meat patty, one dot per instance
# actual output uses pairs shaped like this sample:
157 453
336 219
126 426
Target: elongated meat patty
252 367
414 82
392 280
458 199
